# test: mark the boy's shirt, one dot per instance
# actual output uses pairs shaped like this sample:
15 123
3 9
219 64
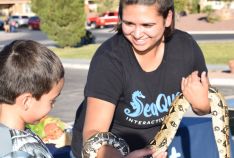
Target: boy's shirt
29 142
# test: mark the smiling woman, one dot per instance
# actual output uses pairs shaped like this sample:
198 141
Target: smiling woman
134 76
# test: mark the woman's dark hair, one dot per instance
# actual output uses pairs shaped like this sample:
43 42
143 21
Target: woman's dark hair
27 66
163 7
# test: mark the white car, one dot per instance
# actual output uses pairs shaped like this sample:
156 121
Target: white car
19 20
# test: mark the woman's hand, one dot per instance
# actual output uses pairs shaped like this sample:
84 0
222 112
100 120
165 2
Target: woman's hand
195 90
145 152
108 151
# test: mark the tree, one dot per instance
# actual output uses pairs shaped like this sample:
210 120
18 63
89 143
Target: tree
180 5
63 21
107 5
193 6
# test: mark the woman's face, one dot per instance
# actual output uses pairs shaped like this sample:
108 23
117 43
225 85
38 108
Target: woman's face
143 26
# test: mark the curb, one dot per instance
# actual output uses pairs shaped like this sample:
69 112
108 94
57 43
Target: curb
76 66
222 81
212 32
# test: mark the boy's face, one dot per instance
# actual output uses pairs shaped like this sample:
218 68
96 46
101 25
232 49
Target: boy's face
40 108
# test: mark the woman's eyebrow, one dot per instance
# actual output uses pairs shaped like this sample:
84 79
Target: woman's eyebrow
125 21
145 23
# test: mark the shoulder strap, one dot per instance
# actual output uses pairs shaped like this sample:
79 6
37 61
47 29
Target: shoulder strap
5 143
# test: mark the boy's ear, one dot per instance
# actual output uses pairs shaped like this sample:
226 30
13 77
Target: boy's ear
24 100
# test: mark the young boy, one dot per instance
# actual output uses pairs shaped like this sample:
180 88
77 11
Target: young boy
31 77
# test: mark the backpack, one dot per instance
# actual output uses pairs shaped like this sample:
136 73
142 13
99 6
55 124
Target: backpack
6 145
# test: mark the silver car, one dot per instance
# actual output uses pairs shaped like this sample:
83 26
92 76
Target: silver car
19 20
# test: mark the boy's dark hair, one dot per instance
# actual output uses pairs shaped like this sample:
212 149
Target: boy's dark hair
163 7
27 66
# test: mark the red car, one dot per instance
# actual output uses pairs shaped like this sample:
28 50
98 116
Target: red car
107 18
34 23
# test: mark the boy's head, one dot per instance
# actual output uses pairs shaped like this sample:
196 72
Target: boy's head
30 73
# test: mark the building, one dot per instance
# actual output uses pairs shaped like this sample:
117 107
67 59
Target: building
215 4
22 7
91 6
15 7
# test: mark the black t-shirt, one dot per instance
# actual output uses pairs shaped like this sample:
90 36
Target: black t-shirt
142 98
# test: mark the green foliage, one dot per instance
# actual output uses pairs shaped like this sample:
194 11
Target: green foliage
211 17
218 52
63 21
180 5
85 52
208 9
107 5
194 6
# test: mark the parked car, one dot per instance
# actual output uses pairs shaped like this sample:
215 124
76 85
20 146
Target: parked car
19 20
34 23
1 24
106 19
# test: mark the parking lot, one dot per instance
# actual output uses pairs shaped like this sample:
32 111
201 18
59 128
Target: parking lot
25 33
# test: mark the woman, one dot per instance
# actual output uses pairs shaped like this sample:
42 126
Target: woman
134 76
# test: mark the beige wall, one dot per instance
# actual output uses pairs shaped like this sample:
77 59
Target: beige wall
15 7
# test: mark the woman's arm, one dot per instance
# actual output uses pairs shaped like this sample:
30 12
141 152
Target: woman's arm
98 118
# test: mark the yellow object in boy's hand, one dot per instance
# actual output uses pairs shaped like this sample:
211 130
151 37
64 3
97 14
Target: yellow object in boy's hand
63 140
52 130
